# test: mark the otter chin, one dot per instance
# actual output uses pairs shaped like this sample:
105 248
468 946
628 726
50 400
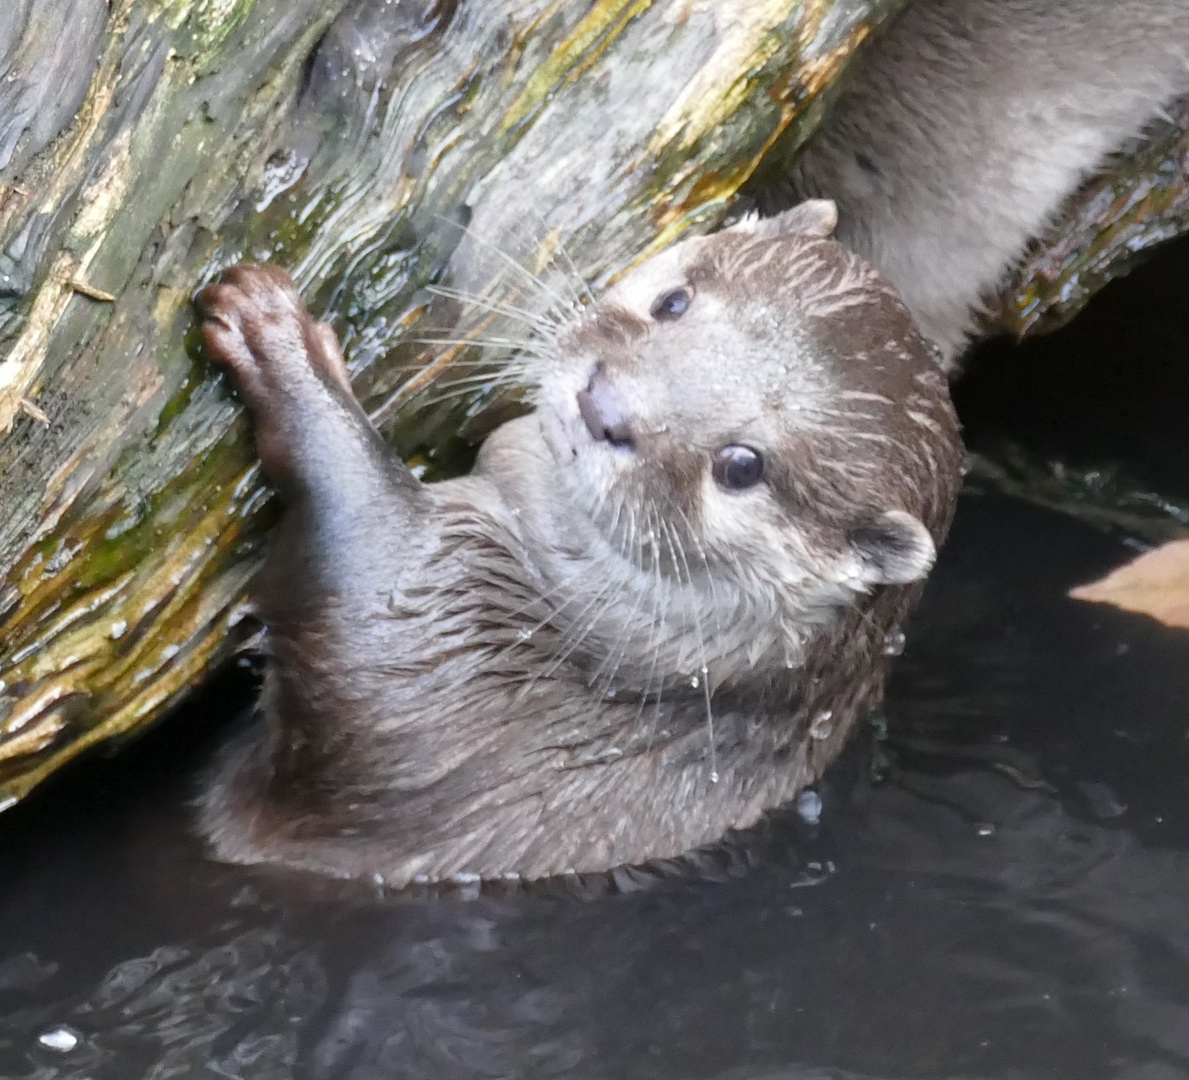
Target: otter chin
652 612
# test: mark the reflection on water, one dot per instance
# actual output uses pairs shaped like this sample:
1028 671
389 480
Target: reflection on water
1009 900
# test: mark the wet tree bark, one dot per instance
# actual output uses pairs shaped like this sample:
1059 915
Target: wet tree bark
147 143
144 144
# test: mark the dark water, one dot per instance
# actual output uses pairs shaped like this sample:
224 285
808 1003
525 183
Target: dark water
1011 900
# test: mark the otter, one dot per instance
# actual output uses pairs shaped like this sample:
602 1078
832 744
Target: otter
652 612
659 603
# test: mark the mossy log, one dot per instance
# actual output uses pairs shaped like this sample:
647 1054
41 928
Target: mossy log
144 144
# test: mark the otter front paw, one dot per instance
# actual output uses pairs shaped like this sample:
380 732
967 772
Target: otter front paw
255 325
288 367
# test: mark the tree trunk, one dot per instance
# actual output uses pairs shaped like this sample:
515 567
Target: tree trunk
146 145
1114 222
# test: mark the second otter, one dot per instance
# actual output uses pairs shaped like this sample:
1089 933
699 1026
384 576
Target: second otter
653 611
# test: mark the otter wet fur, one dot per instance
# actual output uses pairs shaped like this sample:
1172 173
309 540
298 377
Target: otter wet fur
653 611
968 125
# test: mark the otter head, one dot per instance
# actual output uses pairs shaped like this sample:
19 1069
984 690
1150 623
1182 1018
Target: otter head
754 416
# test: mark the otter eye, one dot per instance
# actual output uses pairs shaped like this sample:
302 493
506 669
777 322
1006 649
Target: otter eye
671 305
737 467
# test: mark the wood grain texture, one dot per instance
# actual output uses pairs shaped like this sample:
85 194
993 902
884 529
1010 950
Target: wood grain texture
342 140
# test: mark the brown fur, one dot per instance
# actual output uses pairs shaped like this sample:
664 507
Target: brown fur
970 123
585 655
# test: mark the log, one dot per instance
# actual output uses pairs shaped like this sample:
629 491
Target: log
373 147
145 144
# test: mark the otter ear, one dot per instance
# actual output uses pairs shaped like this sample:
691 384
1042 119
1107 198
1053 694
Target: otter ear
893 548
815 217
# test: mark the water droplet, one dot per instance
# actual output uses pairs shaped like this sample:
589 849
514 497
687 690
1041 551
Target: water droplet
610 694
170 651
714 776
986 830
118 629
694 681
822 725
524 635
809 806
893 644
61 1038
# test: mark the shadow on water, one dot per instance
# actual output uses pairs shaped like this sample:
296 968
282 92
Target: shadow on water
1008 900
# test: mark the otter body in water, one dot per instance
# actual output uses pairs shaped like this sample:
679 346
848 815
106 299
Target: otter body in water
659 603
653 611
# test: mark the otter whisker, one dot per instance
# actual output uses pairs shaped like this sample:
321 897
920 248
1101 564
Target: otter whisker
704 680
447 385
660 637
609 666
486 373
701 550
652 578
424 399
621 558
542 323
660 592
581 624
513 264
569 272
518 344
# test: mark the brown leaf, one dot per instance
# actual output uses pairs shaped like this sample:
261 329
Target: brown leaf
1156 584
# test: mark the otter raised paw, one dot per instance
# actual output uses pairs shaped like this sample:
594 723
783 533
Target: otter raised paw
288 367
653 611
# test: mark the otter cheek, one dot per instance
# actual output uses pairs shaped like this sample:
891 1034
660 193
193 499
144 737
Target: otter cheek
742 526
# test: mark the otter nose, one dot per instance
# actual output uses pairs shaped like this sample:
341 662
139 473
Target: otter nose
604 411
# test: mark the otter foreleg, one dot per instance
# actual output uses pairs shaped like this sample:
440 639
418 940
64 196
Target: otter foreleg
347 496
329 593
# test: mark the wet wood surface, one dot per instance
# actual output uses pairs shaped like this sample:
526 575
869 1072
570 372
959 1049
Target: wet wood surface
1119 217
373 147
347 142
